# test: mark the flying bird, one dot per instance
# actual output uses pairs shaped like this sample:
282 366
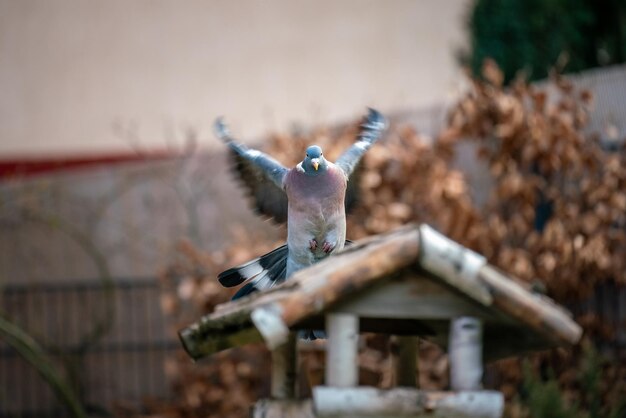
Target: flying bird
311 197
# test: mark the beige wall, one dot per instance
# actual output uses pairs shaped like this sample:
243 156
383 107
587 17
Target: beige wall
70 70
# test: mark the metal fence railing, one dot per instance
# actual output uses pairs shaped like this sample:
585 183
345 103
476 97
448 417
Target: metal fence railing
123 366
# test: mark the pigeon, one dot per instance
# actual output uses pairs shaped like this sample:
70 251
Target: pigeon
311 197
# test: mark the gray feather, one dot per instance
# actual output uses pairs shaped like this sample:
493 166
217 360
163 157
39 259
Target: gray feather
271 168
371 129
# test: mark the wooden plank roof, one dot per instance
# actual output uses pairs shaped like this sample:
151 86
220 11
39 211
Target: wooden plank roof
532 321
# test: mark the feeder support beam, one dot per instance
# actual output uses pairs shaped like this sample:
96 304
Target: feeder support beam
284 369
342 349
465 347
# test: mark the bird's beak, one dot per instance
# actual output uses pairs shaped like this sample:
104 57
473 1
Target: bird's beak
315 163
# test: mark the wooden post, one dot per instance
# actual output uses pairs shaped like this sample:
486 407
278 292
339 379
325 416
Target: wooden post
406 363
284 369
465 352
341 350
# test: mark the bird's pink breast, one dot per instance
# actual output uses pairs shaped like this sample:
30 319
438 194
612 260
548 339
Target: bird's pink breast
326 190
316 212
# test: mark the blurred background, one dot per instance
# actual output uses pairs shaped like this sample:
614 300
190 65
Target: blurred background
118 209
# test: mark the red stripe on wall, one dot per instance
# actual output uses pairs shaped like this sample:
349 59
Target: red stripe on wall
25 167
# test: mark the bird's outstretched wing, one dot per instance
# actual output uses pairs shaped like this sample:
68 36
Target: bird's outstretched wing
353 189
371 129
261 176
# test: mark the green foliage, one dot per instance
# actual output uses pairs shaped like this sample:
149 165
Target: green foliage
590 377
545 398
536 35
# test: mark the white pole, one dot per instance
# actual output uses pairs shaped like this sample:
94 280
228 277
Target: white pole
465 353
341 350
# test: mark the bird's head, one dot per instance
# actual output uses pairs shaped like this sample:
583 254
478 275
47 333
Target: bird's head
314 161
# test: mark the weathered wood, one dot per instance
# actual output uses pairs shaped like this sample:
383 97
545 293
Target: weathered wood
355 269
268 321
406 362
402 246
417 297
307 293
199 342
404 402
467 286
284 375
342 367
535 311
465 354
450 261
269 408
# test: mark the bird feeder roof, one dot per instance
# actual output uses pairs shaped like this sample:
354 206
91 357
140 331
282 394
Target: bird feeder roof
411 281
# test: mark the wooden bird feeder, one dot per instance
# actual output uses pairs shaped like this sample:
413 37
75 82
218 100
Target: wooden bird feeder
413 282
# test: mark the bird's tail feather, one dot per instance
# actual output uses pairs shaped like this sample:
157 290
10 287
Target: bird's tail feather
272 264
261 273
244 291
